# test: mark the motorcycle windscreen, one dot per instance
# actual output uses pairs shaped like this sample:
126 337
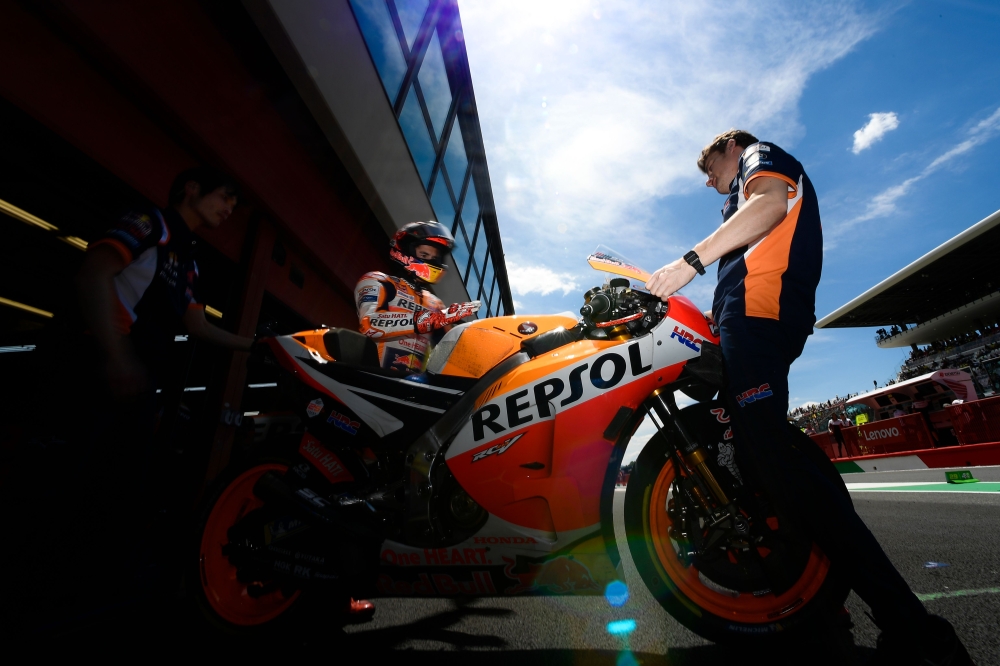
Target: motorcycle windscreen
607 260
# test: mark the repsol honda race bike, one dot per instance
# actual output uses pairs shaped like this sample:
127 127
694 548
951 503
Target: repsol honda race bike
493 473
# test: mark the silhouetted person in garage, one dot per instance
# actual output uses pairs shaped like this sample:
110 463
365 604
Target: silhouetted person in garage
96 404
139 281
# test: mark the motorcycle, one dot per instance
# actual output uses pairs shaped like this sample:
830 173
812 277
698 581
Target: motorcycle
493 473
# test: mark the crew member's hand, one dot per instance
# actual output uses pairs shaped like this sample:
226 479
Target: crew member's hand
431 320
670 279
126 375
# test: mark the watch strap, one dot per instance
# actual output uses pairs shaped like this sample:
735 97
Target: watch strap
695 261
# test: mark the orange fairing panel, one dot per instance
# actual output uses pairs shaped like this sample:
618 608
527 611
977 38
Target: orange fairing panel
314 340
484 343
534 454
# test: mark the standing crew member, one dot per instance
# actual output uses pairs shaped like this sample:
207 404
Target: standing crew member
138 281
398 313
770 251
136 289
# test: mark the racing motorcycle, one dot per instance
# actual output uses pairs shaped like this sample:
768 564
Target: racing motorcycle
493 473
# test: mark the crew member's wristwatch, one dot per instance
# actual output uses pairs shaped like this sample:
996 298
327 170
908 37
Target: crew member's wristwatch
695 261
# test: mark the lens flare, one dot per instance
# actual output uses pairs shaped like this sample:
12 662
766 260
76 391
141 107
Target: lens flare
626 659
621 627
616 593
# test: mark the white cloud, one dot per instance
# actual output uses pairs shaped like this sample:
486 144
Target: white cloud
591 115
879 124
884 203
526 279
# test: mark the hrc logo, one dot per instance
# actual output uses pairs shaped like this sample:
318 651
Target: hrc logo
344 423
686 338
759 393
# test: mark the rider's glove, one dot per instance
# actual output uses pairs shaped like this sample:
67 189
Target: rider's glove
431 320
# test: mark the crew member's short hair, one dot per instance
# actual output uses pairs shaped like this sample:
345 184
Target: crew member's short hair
718 145
208 178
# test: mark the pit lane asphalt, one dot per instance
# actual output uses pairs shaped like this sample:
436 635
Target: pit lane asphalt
961 529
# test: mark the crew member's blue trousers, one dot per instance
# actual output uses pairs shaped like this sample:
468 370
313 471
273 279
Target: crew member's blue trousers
758 353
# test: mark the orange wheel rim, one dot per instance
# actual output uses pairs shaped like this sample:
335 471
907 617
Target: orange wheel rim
228 596
745 608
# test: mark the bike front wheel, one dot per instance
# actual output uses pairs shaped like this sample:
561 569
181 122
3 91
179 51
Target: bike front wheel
727 600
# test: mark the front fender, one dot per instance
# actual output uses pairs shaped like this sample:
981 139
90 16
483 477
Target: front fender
608 489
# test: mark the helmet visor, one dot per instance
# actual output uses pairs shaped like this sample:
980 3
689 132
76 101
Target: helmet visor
429 273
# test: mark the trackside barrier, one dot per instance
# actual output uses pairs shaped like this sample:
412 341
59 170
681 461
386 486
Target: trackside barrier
895 435
976 422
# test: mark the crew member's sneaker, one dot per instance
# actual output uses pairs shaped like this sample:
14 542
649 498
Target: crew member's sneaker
933 644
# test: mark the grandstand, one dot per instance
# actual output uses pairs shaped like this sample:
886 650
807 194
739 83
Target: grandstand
945 306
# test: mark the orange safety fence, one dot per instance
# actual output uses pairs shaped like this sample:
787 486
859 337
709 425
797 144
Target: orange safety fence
976 422
902 433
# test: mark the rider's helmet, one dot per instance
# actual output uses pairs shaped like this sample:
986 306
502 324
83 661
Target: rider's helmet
403 246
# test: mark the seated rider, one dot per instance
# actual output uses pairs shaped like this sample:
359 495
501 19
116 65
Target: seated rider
397 312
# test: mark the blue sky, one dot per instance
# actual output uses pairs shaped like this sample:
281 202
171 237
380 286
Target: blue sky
593 115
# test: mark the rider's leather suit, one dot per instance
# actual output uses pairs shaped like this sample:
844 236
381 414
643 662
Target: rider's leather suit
387 306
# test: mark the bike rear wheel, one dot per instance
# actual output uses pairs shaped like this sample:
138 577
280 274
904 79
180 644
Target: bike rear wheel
224 600
715 611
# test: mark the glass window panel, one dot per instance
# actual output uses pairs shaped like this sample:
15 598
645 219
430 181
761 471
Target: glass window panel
411 15
441 201
434 85
460 255
455 160
411 120
383 43
472 284
479 251
488 280
470 209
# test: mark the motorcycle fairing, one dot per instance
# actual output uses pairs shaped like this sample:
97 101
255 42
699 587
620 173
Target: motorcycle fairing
550 413
495 566
384 402
300 359
470 350
558 505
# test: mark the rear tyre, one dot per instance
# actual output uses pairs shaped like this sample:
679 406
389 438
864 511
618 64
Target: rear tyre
226 602
714 610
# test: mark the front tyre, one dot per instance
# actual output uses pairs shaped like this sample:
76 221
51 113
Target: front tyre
224 600
738 609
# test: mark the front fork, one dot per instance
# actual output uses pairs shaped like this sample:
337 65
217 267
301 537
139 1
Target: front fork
704 489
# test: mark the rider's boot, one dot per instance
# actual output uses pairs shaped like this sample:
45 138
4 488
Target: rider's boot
360 610
934 643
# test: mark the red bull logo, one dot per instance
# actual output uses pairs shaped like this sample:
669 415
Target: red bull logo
561 575
408 361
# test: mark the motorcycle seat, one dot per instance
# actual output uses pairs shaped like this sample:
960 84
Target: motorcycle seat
351 347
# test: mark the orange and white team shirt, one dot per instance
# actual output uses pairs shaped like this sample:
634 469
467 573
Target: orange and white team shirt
387 306
775 277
